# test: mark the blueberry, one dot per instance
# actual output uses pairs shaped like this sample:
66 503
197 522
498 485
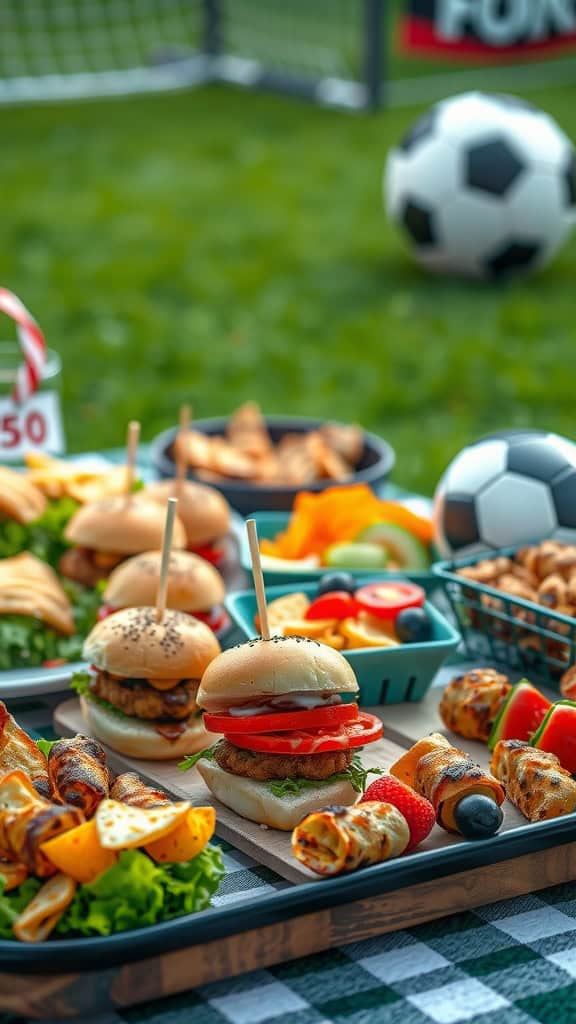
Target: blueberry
413 626
337 581
477 816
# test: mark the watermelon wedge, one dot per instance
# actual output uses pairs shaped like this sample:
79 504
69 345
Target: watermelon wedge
557 734
521 715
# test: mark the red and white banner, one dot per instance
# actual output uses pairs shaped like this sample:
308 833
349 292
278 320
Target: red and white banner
498 30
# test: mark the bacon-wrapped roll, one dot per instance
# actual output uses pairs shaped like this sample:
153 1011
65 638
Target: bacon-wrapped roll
129 789
78 773
27 821
445 775
471 702
17 750
345 838
534 780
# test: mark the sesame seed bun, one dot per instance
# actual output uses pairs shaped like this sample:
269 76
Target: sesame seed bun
132 644
121 526
283 664
193 584
135 738
204 512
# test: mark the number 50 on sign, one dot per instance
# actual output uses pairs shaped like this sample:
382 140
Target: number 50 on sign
35 425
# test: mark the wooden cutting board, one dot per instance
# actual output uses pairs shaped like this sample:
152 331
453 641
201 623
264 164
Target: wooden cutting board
403 725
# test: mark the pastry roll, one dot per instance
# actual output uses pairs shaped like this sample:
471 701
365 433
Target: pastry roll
345 838
27 821
534 780
17 750
78 773
44 911
445 775
129 789
471 702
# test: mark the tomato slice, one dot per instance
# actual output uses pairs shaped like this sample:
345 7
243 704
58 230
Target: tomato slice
105 610
333 716
335 604
216 618
213 553
386 600
366 729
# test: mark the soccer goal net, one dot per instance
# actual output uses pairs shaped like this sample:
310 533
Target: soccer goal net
57 49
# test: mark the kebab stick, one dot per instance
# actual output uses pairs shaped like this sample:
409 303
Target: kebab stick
165 562
181 467
132 438
258 578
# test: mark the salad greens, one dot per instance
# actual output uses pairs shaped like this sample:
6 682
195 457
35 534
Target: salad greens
355 774
26 642
44 537
134 893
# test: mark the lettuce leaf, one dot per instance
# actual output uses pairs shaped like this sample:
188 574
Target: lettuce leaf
136 893
44 537
80 682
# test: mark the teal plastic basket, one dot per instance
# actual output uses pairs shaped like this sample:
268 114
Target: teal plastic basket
386 675
271 523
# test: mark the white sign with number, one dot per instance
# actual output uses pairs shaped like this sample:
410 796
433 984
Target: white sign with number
34 426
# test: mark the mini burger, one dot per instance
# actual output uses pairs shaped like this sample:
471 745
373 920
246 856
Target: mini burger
140 697
289 741
194 586
105 533
203 511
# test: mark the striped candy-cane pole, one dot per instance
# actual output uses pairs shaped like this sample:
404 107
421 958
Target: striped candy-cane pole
32 343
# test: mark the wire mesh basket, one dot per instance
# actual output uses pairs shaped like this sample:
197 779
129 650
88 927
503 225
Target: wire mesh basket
507 629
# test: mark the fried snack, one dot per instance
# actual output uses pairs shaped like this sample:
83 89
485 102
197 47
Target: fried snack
44 911
534 780
30 587
13 874
247 431
568 683
445 775
129 789
342 839
286 609
56 478
27 821
18 751
78 773
471 702
20 499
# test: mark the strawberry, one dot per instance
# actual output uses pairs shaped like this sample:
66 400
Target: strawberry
418 811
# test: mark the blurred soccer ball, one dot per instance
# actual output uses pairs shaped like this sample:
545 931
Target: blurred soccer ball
506 490
483 185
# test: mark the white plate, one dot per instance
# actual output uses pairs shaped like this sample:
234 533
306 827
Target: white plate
32 682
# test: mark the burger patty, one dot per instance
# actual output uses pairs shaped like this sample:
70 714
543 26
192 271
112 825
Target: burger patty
263 767
78 565
135 697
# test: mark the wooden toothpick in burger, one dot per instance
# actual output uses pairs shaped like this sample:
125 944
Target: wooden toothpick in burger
165 563
181 466
132 438
258 578
289 740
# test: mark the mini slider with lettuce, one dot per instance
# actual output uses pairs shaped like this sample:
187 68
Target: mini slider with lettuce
147 664
194 586
288 739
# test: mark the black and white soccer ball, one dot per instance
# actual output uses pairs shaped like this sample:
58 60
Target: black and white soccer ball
506 490
483 185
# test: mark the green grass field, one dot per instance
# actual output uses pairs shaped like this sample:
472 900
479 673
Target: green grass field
217 246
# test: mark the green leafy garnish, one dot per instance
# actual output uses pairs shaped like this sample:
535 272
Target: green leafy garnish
45 746
138 485
44 537
355 774
80 682
191 760
134 893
